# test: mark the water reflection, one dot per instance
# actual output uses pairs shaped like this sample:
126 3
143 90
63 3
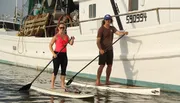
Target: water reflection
58 101
103 96
55 99
12 78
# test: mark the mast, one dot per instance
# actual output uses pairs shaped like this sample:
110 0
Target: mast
16 11
115 9
22 14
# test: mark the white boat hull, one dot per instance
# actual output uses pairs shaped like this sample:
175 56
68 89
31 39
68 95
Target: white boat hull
147 57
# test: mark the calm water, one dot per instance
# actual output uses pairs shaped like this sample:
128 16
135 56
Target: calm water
12 78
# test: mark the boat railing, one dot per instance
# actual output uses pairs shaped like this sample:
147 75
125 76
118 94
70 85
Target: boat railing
148 10
4 19
125 14
140 11
122 14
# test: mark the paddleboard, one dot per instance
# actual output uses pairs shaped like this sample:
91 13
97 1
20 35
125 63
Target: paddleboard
123 88
45 88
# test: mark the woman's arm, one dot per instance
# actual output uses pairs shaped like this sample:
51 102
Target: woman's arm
71 42
51 46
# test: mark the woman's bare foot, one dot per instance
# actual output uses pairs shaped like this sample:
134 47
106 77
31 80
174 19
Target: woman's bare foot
52 87
63 87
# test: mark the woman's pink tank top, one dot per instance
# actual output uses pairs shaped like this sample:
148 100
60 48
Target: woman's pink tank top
60 43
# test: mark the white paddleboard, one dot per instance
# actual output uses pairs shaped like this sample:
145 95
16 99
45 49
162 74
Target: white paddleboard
123 89
44 88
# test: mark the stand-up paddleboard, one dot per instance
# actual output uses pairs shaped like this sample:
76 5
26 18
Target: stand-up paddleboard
123 89
45 88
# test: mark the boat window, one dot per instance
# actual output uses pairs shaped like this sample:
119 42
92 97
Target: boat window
92 11
133 5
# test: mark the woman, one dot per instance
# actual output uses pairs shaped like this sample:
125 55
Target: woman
61 39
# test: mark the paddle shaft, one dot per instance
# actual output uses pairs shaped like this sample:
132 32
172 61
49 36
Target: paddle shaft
49 63
42 71
69 82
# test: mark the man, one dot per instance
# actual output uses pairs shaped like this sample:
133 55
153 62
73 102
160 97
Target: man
104 43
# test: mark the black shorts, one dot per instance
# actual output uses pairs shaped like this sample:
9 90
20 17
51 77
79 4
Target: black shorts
62 60
106 58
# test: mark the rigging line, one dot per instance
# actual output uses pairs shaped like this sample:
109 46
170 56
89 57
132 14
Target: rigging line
18 46
55 8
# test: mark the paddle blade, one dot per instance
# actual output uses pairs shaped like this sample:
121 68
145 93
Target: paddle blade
26 87
70 81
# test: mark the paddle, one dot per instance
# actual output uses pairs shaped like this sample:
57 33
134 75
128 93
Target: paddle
70 81
27 87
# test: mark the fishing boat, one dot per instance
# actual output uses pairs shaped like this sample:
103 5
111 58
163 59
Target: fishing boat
148 56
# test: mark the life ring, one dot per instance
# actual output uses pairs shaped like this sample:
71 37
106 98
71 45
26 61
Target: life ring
65 19
62 19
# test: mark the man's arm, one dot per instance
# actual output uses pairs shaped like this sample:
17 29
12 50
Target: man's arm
121 33
99 45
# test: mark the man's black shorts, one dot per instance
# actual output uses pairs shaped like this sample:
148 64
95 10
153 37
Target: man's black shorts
106 58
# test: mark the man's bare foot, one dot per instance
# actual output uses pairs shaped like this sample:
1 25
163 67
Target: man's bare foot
108 83
98 83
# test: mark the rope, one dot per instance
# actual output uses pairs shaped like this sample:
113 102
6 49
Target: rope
20 52
55 9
